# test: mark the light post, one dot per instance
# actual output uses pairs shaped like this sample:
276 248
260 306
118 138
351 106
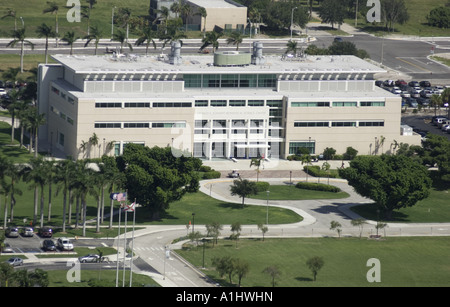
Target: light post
267 211
250 32
292 19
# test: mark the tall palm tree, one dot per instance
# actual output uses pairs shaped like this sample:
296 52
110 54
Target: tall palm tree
13 171
70 38
22 109
291 47
13 108
211 38
93 141
201 11
45 31
147 36
121 37
235 38
11 13
163 13
32 172
53 8
87 13
95 35
124 16
186 11
64 173
50 168
35 120
19 37
84 184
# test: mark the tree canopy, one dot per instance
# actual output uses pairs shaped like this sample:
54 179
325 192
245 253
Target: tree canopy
155 177
393 182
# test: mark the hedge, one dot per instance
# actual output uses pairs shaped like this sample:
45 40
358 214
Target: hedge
317 187
314 170
210 175
262 186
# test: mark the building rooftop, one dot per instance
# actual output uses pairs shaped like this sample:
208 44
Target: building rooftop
132 63
215 3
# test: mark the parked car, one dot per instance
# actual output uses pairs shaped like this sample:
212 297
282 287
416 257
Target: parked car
2 91
45 232
396 91
48 245
379 83
388 83
12 232
338 39
414 84
64 244
412 103
89 258
434 119
7 248
15 261
439 121
400 82
445 127
425 83
424 102
426 94
27 232
405 94
443 122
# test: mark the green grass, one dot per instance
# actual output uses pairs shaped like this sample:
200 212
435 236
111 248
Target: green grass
290 192
405 262
16 154
416 25
434 209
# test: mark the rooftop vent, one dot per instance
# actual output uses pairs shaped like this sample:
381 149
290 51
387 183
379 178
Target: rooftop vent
232 58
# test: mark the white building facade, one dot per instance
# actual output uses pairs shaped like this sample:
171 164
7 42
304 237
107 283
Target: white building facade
227 105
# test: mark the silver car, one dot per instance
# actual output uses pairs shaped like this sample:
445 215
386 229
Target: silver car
27 232
89 258
15 261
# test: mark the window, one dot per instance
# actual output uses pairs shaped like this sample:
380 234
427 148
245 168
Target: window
192 81
108 104
295 146
371 124
172 104
372 104
107 125
201 103
136 125
343 124
256 103
237 103
267 80
229 81
218 103
311 124
275 103
168 125
311 104
61 139
344 103
137 104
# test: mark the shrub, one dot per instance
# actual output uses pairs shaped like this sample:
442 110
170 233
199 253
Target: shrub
317 187
205 168
316 171
211 175
350 153
262 186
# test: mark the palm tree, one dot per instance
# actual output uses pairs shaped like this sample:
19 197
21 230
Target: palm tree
11 13
13 108
32 172
121 37
146 36
211 38
35 120
202 12
50 168
235 38
436 101
19 37
93 141
22 109
186 11
176 8
53 8
70 38
163 13
95 35
291 47
45 31
256 162
63 175
124 16
87 13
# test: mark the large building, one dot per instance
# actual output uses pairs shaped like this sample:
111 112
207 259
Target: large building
227 105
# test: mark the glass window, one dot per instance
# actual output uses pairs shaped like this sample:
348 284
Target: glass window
311 104
218 103
201 103
344 103
267 80
343 124
237 103
229 81
256 103
295 146
372 104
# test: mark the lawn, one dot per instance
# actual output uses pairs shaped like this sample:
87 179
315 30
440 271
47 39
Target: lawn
290 192
434 209
416 25
405 262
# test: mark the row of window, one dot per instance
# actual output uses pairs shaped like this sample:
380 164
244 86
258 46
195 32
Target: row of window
61 114
340 124
143 104
141 125
62 95
338 104
230 81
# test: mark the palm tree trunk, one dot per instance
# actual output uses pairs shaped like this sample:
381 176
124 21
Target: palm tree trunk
42 207
21 57
49 202
64 211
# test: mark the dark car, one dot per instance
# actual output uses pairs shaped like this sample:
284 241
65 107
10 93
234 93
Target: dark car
425 84
48 245
338 39
400 82
379 83
413 84
45 232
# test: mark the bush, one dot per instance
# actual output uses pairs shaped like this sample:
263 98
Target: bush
350 153
205 168
262 186
317 187
329 153
210 175
316 171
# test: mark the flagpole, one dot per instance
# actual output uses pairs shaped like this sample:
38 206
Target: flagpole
118 248
132 243
124 247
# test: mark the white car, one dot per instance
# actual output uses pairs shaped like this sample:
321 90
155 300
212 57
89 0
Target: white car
2 91
64 244
396 91
15 261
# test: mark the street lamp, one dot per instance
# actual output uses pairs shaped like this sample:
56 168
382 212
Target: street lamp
292 19
267 212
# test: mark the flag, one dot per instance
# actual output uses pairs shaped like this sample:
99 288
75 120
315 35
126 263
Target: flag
129 208
118 196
